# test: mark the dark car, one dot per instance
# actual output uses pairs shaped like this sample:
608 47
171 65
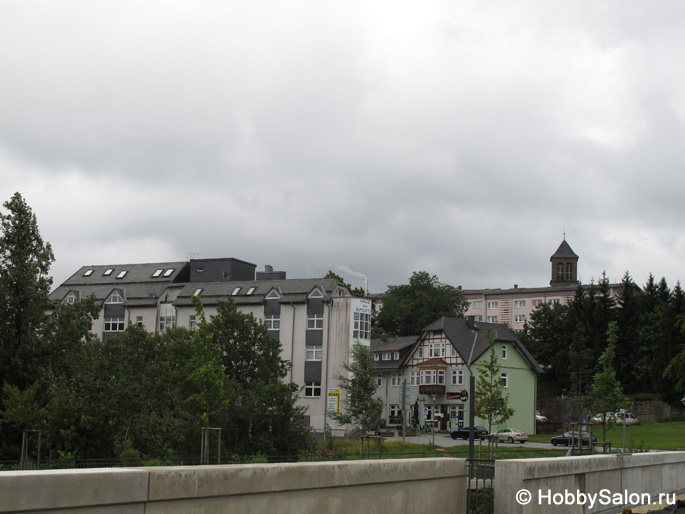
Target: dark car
464 432
569 438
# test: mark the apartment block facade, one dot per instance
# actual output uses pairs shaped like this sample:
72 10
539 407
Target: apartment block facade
315 320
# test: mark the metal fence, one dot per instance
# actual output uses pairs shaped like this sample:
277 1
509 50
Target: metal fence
480 495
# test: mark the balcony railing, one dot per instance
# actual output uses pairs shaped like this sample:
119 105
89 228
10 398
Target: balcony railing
432 389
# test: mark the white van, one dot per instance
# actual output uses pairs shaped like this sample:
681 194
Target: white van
629 418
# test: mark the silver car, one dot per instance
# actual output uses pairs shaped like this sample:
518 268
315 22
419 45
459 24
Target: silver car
511 435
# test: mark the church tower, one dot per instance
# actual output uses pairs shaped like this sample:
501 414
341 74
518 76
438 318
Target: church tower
564 266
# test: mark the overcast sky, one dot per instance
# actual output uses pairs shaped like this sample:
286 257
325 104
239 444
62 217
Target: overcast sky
374 138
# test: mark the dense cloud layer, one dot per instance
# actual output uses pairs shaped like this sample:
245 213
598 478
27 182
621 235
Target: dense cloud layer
373 138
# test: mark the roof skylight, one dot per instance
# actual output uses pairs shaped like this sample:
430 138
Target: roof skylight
197 291
251 290
108 271
168 272
235 291
88 273
157 273
122 274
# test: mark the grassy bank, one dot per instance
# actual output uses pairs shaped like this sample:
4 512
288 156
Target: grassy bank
653 436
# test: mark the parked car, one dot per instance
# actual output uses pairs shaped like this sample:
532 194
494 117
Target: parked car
511 435
630 419
599 417
539 417
569 438
464 432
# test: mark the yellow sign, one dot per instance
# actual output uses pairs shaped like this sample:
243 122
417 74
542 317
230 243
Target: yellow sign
333 400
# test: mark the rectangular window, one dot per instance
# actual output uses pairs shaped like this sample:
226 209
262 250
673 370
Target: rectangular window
312 389
235 291
432 376
139 321
493 319
167 316
457 377
157 273
536 303
395 411
505 380
114 324
192 323
414 378
492 305
108 272
436 350
454 351
520 318
420 354
395 379
122 274
478 317
504 351
88 273
379 379
376 356
168 272
362 325
315 322
314 353
396 356
273 322
387 356
519 304
251 290
478 304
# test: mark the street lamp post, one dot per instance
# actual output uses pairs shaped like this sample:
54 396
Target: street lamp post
472 402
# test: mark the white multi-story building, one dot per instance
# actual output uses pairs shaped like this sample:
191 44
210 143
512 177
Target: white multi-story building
315 320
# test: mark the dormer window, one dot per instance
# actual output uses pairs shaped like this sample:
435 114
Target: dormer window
157 273
88 273
115 297
108 272
70 299
122 274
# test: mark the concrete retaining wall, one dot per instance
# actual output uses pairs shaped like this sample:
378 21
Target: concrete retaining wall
403 485
642 476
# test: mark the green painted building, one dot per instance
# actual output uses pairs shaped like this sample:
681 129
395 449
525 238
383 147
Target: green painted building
436 367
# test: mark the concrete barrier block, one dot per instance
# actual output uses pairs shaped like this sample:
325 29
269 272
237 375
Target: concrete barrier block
71 488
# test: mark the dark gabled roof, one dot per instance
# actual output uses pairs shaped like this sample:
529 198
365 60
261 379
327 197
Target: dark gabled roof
564 252
135 273
462 337
392 344
291 290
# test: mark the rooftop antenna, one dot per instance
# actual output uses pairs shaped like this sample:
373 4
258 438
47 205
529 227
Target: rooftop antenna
192 256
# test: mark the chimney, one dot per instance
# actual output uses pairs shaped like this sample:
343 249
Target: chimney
471 322
384 338
516 286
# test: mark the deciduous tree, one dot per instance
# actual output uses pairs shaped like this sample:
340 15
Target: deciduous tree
410 307
361 408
